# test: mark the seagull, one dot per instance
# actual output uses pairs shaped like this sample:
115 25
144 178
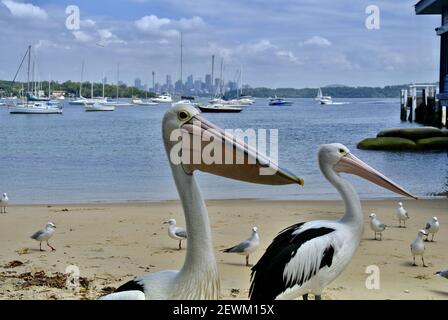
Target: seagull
44 235
198 278
376 225
402 214
304 258
247 246
432 227
443 274
4 203
176 233
418 247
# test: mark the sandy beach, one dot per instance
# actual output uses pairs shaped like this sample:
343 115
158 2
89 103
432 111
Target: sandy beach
110 243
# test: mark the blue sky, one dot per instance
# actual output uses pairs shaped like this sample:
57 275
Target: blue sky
289 43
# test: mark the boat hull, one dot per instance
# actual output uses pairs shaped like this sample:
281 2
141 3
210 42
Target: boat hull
27 110
219 110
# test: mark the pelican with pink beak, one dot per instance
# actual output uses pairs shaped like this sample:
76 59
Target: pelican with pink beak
198 278
307 257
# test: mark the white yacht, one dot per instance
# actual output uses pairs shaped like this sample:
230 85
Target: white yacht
163 98
39 107
323 99
98 107
140 102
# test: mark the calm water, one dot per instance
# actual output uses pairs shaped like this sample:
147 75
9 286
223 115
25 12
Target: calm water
119 156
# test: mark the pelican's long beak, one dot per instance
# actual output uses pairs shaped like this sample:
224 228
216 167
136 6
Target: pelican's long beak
232 158
351 164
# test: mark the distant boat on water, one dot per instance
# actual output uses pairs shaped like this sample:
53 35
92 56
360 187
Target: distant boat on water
98 107
140 102
219 108
323 99
163 98
279 102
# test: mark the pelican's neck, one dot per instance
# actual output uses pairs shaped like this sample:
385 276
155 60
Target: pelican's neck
353 212
200 263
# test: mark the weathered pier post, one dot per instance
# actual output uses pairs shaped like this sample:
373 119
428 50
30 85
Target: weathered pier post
404 105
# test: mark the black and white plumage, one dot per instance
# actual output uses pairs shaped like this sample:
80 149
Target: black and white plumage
306 257
402 215
376 225
443 274
4 203
432 227
247 246
175 232
44 235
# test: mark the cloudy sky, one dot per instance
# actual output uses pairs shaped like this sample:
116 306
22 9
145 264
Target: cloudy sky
288 43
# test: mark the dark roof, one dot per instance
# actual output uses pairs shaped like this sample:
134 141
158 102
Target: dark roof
430 6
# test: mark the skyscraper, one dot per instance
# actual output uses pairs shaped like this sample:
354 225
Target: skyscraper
169 84
138 83
208 82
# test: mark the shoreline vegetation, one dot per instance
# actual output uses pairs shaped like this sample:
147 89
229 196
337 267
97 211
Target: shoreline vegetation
336 91
111 243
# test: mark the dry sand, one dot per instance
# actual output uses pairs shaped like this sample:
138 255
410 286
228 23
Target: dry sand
110 243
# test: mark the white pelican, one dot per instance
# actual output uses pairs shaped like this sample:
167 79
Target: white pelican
175 232
376 225
198 278
402 215
4 203
306 257
44 235
418 247
432 227
247 246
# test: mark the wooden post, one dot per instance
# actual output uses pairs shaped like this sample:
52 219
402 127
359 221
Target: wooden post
414 104
444 116
403 104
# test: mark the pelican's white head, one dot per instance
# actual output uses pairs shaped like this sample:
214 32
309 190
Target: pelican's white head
50 225
372 216
190 139
337 158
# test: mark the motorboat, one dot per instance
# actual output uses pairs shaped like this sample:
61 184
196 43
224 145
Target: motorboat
163 98
279 102
140 102
323 99
219 108
98 107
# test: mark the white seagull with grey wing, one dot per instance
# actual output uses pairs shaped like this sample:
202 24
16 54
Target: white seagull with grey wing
376 225
306 257
175 232
432 227
4 203
44 235
247 246
418 247
402 215
198 278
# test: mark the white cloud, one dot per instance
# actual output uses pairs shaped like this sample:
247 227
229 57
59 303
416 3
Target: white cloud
167 27
82 36
88 23
108 37
289 55
316 41
25 10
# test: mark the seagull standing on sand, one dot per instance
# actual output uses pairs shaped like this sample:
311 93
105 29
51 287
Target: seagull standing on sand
44 235
306 257
432 227
418 247
4 203
182 127
443 274
176 233
376 225
246 247
402 215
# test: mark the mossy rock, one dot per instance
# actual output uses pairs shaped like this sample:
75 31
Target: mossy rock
387 143
439 143
412 133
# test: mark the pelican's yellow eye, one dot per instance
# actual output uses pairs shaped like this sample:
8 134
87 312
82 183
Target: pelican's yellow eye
183 115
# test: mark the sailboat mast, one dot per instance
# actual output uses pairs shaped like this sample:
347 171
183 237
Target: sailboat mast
241 81
82 76
91 90
29 64
220 78
49 85
103 85
118 77
213 70
181 60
